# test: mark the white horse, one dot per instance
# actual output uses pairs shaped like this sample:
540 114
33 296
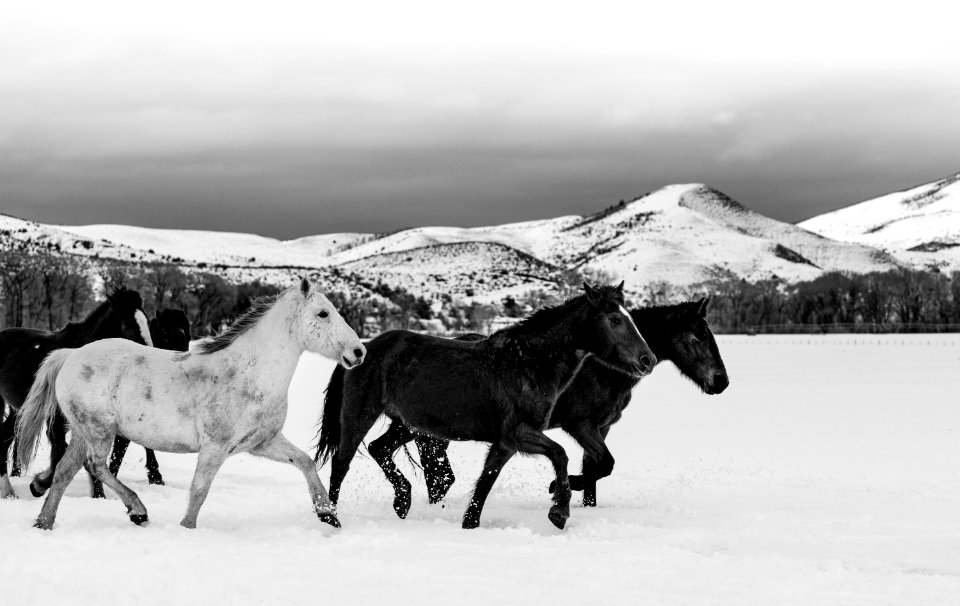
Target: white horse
228 397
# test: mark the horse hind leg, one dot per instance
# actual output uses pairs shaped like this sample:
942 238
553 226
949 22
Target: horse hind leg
97 465
57 433
6 439
437 470
69 465
353 429
208 464
382 450
281 450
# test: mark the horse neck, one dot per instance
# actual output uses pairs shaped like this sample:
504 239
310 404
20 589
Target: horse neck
75 334
268 350
657 329
554 347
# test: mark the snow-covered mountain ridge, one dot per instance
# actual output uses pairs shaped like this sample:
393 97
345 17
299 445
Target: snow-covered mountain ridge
680 235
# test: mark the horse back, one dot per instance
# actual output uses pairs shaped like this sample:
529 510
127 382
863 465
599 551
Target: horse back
441 386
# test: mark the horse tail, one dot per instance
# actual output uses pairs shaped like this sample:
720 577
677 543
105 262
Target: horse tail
328 438
40 406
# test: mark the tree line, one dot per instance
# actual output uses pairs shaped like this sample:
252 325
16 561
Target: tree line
900 300
46 291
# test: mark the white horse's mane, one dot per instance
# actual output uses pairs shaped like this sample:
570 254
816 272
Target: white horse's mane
258 308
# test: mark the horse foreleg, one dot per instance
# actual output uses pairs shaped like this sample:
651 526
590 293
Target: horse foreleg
153 468
208 464
280 449
120 445
533 441
497 457
597 460
382 450
436 466
590 474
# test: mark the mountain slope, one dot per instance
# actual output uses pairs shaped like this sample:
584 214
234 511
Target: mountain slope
916 218
920 225
215 247
481 270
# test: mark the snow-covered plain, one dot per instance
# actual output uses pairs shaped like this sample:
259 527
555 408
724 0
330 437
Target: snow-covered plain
828 473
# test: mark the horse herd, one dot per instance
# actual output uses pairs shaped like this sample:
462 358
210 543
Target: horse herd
115 378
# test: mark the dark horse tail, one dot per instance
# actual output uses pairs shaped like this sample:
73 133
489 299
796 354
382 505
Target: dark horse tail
328 439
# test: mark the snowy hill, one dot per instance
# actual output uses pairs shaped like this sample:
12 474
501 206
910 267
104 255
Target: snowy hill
920 225
488 271
214 247
681 235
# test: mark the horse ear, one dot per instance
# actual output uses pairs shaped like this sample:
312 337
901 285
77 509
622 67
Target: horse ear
702 306
619 288
305 286
591 293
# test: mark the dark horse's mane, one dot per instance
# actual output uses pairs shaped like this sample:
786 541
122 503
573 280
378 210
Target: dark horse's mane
544 319
258 308
121 301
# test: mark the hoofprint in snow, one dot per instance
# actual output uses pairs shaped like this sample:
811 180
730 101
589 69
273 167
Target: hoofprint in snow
844 491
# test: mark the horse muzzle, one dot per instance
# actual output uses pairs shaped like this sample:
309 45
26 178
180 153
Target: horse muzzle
354 358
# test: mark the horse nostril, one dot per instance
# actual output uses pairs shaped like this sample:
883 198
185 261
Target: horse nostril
720 382
646 362
358 353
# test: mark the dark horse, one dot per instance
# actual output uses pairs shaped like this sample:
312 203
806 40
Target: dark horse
23 349
501 390
169 330
597 397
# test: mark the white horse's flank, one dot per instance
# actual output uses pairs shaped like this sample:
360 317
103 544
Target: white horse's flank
229 397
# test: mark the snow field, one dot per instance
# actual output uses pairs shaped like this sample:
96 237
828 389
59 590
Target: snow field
828 473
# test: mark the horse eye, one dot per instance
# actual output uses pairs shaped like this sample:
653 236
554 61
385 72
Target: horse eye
323 314
616 319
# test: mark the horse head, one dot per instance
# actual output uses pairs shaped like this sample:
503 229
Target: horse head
693 349
323 330
610 334
126 319
171 330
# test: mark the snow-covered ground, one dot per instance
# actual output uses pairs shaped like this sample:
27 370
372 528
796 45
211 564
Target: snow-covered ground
828 473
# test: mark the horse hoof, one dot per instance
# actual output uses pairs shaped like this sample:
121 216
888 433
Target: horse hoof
37 492
155 480
139 518
559 520
98 494
469 523
329 518
42 525
401 505
15 472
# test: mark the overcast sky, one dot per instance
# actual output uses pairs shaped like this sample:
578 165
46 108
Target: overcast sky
289 119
